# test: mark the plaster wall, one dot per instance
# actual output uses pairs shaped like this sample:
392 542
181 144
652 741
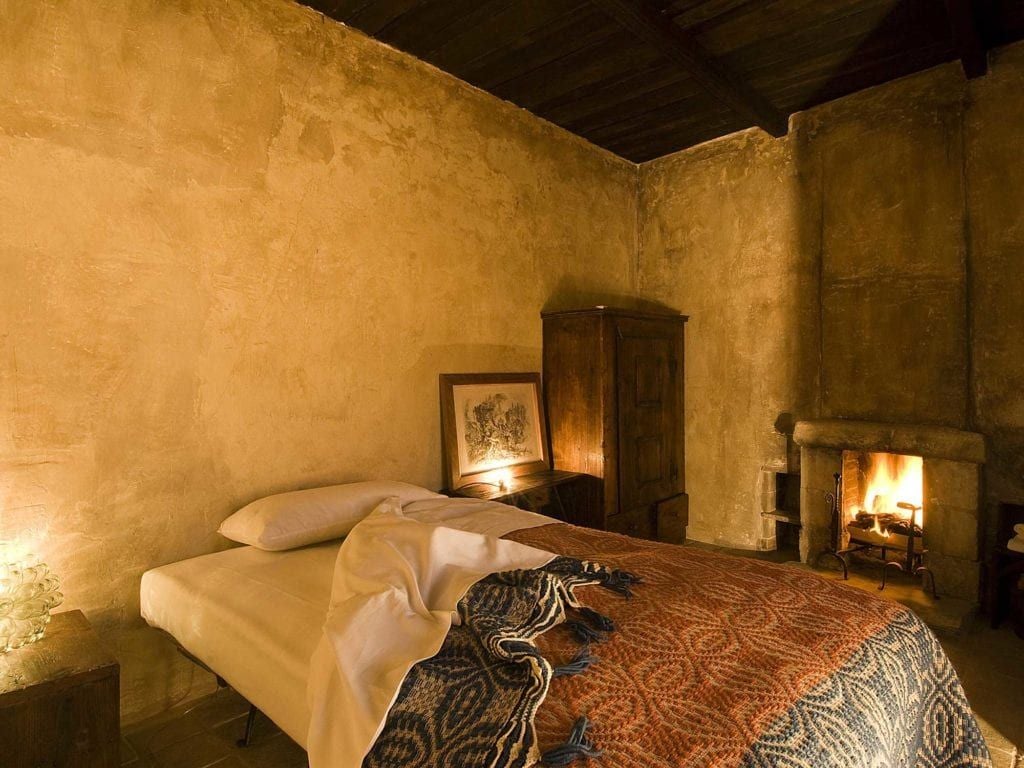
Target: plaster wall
238 244
994 139
723 238
870 265
890 189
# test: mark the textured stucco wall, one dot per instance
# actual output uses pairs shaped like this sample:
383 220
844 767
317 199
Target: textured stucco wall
995 182
870 266
724 239
893 275
238 244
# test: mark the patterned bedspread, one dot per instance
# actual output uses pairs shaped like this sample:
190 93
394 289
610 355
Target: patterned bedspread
723 661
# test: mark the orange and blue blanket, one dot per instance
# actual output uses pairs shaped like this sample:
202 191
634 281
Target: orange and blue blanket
723 661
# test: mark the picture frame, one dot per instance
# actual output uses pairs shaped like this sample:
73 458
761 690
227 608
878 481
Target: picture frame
492 423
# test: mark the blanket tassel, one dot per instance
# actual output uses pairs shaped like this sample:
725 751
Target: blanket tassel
620 582
578 745
597 620
583 632
580 663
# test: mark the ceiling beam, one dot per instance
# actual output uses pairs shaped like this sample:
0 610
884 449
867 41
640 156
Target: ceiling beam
966 38
659 31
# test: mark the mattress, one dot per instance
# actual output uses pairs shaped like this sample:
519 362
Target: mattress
253 616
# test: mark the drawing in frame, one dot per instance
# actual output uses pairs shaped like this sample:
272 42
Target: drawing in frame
492 421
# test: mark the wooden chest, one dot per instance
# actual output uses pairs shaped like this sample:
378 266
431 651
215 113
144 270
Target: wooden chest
59 700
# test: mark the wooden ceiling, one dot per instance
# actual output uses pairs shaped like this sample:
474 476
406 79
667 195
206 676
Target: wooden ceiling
644 78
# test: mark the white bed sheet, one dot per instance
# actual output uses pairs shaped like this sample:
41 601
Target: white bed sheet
254 616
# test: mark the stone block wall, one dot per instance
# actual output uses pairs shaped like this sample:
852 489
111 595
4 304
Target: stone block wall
818 466
953 501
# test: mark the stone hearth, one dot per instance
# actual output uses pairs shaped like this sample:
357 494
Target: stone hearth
953 461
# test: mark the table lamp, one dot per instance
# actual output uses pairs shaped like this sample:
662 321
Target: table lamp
28 592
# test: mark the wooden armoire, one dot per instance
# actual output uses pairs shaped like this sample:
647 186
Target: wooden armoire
613 385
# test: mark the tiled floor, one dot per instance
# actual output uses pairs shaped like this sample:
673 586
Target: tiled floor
203 733
991 667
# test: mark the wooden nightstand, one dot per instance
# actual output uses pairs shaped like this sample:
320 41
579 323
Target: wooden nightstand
59 705
569 496
1004 570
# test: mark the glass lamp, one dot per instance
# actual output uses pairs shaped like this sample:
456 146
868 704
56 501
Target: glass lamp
28 592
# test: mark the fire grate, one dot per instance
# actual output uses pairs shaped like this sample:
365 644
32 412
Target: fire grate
886 533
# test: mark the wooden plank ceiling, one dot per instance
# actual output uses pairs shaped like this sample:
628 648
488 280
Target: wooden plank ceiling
644 78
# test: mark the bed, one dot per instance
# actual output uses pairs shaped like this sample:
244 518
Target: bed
715 660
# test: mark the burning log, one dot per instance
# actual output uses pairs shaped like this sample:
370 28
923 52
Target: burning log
885 524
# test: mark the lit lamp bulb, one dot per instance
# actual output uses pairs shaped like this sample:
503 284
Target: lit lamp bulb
28 592
504 479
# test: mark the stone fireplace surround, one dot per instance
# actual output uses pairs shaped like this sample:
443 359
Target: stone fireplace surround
953 462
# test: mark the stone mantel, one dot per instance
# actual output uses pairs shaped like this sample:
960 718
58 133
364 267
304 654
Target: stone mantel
915 439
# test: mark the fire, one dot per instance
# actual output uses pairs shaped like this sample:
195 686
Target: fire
892 479
886 490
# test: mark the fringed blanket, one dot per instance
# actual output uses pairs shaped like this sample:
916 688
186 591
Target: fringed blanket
715 661
473 704
723 661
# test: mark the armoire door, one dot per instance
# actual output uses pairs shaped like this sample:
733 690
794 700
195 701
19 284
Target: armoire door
650 410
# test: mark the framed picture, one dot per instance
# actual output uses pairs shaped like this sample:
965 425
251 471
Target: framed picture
490 423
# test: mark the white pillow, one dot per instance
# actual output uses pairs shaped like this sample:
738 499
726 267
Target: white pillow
294 519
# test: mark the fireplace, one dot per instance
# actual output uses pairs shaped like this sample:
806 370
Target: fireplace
909 493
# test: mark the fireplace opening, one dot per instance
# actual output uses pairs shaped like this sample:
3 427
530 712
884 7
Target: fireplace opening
883 499
878 504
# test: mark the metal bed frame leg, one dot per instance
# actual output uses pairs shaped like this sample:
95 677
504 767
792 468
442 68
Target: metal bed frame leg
250 720
250 726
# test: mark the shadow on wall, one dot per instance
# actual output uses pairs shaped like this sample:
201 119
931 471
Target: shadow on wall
570 294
